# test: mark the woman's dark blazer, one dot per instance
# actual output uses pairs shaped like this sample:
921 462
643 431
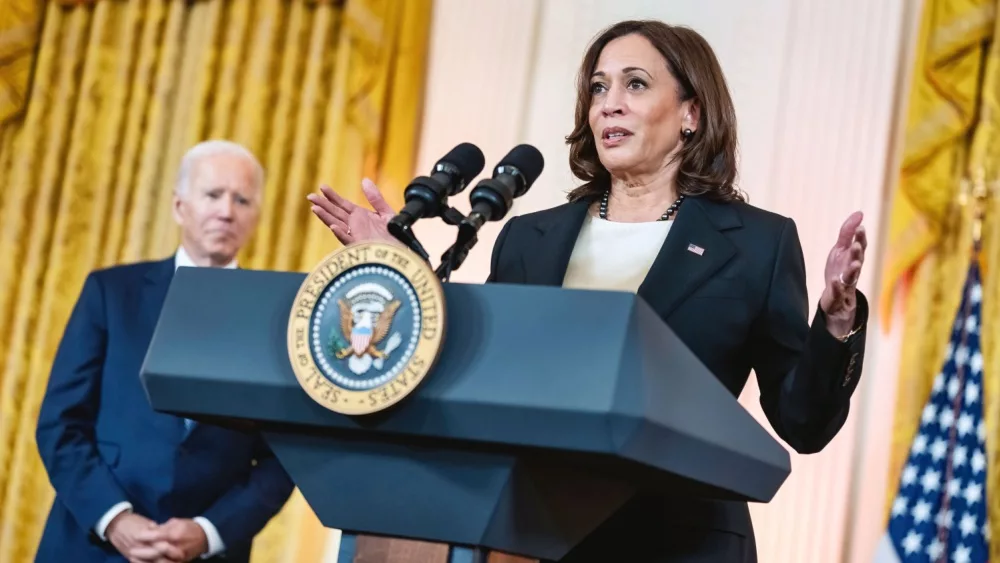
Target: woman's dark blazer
740 305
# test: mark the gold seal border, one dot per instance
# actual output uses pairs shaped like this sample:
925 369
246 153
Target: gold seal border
430 296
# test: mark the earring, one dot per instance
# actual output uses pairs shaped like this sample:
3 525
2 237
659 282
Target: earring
687 134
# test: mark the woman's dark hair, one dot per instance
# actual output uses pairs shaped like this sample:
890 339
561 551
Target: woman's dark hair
707 159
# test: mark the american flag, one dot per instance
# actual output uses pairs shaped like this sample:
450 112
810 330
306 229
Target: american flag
940 510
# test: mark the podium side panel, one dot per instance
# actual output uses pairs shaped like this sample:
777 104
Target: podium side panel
672 416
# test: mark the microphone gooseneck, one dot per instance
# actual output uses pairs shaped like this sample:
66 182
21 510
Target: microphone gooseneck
492 199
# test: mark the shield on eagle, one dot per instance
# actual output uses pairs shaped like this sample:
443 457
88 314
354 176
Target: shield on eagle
361 337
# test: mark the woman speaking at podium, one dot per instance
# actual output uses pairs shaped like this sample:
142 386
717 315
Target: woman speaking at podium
659 214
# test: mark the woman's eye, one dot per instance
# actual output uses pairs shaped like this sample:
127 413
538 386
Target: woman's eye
597 88
636 84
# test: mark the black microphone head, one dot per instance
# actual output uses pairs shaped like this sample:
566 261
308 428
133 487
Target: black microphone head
465 161
528 163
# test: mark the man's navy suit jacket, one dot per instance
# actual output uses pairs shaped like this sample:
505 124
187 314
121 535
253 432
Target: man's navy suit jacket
103 444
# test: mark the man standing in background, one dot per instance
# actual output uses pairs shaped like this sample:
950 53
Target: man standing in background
131 482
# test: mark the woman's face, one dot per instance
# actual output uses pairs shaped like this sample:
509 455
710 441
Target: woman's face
636 115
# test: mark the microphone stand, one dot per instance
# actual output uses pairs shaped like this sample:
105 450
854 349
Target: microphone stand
405 235
455 255
453 258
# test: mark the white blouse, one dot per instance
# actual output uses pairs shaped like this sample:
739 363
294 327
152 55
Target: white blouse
614 256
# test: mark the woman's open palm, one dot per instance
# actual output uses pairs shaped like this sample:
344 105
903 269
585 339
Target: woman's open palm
350 222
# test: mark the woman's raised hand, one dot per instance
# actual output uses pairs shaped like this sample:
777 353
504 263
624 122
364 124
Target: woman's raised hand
352 223
843 267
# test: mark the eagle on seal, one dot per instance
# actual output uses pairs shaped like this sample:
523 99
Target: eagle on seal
366 315
363 336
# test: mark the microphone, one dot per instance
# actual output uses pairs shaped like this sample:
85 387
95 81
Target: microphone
491 199
426 195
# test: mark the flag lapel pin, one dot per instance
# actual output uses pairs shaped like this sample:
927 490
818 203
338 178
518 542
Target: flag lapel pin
696 249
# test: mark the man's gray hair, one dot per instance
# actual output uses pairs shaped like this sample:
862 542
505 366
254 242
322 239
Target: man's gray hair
210 148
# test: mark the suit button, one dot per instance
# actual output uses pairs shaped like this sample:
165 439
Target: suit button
253 463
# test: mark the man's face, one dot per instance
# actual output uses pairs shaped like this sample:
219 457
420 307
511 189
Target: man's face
219 210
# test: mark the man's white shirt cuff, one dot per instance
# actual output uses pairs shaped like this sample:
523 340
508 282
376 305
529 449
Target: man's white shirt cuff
215 545
105 521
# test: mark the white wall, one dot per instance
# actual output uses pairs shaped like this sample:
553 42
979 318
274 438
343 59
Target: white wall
814 83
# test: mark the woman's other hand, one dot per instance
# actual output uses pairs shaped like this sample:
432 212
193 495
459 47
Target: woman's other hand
843 268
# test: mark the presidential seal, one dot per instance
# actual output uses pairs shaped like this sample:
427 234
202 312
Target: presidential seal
366 327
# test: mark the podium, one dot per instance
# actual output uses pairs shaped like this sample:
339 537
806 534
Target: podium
546 411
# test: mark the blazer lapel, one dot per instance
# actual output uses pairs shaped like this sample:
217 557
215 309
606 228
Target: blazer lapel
547 263
154 293
694 250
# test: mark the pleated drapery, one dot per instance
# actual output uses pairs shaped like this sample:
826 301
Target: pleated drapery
320 91
950 158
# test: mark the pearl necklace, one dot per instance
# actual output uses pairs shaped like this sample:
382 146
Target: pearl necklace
603 211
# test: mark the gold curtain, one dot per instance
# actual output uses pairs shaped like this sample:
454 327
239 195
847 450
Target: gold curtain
320 91
951 152
18 36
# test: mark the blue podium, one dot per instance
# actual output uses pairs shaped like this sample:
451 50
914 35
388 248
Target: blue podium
547 410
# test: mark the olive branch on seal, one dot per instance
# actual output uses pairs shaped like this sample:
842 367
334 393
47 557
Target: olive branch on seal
336 342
